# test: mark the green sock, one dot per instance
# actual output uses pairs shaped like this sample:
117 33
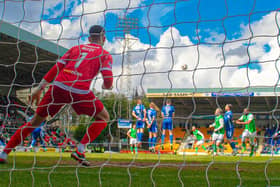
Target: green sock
214 148
204 148
244 145
196 149
252 148
221 146
131 149
135 148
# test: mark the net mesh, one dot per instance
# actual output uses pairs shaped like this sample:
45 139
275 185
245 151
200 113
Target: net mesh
169 44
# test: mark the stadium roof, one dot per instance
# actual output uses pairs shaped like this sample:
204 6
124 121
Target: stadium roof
24 57
206 100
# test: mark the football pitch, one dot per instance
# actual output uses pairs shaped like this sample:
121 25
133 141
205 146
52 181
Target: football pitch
58 169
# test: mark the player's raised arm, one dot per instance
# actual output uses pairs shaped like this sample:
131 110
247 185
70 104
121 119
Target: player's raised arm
240 121
212 125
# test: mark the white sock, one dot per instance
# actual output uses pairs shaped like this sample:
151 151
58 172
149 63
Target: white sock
81 148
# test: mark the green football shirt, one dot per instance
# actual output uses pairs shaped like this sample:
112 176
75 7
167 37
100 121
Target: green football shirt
133 132
251 127
197 134
218 120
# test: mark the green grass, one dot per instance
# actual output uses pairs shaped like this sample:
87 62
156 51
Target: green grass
113 169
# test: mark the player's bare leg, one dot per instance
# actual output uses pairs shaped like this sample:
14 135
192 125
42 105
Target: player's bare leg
92 132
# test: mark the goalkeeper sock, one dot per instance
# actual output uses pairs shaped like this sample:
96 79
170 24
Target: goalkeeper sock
18 137
93 131
162 139
204 148
196 149
171 139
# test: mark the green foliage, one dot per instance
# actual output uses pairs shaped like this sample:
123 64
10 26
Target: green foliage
79 132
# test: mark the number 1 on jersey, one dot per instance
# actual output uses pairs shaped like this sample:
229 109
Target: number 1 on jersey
83 56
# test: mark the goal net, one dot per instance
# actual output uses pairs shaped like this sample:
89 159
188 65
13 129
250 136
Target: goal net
199 55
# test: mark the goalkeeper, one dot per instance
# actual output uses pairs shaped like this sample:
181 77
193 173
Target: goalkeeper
71 78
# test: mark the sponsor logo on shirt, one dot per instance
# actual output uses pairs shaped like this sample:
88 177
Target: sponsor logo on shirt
72 72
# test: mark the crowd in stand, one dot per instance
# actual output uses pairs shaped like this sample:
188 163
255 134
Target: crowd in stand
51 136
271 139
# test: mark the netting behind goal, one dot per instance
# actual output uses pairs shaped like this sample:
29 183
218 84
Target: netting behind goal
201 55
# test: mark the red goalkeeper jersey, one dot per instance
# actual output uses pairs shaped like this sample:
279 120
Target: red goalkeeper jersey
79 66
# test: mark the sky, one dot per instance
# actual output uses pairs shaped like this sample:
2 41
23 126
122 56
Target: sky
224 43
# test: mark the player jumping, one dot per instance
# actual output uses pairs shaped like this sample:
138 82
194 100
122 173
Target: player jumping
71 78
219 131
229 127
168 113
199 139
152 125
132 134
139 112
250 132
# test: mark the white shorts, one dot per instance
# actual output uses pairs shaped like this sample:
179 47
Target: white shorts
250 135
217 137
133 141
199 142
